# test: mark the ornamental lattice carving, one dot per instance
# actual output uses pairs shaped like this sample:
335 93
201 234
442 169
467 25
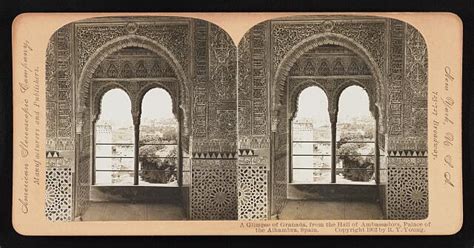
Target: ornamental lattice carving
59 194
252 192
214 194
407 194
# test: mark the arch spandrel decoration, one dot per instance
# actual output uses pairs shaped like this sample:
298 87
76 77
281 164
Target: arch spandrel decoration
370 32
115 45
282 72
171 32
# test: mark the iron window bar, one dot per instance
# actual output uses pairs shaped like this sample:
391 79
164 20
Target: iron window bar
331 168
158 157
121 170
111 144
337 170
325 141
312 155
311 141
329 155
113 157
158 144
356 141
138 157
131 144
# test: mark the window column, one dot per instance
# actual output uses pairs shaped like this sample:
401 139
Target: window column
377 152
136 127
179 159
333 119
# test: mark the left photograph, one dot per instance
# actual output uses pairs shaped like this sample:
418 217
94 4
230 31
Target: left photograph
130 101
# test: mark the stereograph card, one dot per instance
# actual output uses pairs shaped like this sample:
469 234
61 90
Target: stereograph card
237 124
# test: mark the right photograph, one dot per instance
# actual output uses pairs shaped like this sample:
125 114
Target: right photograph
332 120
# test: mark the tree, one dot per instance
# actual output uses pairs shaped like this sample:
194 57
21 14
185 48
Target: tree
355 166
154 169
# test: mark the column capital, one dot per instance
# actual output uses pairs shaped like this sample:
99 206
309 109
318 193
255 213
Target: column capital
333 116
136 117
79 122
275 118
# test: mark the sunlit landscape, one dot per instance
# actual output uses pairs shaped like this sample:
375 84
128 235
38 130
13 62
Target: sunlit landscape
311 161
115 140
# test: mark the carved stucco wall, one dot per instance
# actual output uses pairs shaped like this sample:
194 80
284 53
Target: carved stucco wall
214 149
407 172
254 124
202 57
222 176
396 56
60 131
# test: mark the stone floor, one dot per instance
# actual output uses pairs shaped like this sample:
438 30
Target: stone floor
110 211
330 210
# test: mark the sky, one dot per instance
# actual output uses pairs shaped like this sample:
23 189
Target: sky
157 104
312 103
116 107
353 103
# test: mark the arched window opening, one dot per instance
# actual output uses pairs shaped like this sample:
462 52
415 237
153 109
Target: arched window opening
355 137
311 138
158 146
114 140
